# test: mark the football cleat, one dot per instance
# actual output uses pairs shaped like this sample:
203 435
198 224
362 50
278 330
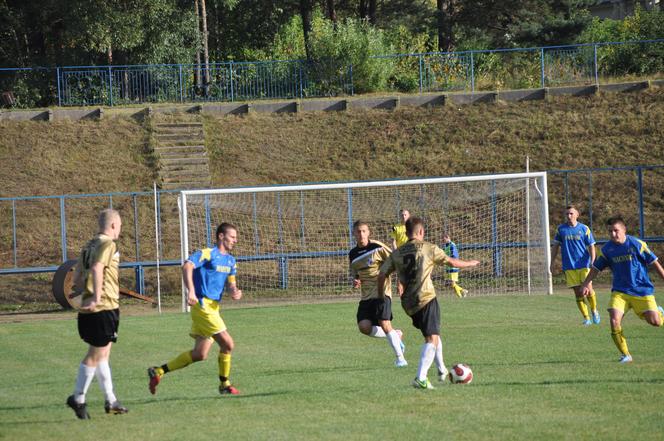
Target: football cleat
443 376
625 359
228 390
586 322
116 408
401 362
422 384
464 292
80 409
596 318
155 378
661 310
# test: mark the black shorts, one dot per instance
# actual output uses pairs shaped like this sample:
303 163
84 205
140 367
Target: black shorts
427 319
99 328
375 310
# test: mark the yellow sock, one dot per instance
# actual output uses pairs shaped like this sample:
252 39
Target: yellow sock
619 340
457 290
182 360
159 371
582 307
224 368
592 301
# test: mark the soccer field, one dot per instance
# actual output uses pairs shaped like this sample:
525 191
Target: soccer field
305 373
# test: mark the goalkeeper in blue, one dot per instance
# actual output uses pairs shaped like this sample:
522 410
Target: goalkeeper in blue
577 245
628 258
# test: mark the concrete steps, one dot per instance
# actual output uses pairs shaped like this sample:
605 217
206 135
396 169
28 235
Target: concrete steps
183 159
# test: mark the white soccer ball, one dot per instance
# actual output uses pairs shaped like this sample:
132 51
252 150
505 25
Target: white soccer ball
461 374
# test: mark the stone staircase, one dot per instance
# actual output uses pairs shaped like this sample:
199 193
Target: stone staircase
183 160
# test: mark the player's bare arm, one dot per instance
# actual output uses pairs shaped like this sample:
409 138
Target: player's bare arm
235 292
458 263
585 287
188 278
97 272
658 267
554 254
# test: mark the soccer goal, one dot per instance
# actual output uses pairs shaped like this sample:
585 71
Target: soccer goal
294 239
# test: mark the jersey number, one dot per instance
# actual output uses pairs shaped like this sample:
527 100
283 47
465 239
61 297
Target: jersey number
410 262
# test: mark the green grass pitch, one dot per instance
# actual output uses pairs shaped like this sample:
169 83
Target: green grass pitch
305 373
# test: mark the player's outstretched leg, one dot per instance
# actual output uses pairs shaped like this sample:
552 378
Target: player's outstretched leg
394 339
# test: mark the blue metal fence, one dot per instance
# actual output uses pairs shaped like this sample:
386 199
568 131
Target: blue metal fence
499 69
592 190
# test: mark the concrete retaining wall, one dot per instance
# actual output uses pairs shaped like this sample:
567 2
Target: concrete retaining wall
332 104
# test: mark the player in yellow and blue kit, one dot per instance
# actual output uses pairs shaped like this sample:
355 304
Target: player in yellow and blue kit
452 273
628 258
577 245
206 273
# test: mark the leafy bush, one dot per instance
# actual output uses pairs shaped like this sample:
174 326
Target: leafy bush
630 58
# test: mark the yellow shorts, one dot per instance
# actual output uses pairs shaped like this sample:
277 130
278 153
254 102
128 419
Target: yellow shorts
624 302
576 277
205 320
454 277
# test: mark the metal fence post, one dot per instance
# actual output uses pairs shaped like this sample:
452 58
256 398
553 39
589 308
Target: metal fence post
231 75
642 221
181 85
63 229
110 86
420 70
595 64
300 76
57 73
472 72
542 80
14 231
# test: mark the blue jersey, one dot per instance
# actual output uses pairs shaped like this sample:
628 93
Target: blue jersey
574 243
629 263
451 251
211 271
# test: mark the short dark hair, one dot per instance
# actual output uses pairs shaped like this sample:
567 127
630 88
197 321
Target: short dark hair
617 219
359 223
572 207
412 224
224 227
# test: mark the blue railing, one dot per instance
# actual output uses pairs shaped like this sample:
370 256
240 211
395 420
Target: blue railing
498 69
592 190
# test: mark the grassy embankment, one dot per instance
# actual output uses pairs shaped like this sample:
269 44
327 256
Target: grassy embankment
112 156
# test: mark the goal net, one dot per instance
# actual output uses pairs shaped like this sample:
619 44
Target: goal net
293 241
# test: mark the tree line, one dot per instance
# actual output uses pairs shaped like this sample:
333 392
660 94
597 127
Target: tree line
101 32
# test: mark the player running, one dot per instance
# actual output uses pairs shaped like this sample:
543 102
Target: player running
628 258
374 313
578 253
206 273
414 262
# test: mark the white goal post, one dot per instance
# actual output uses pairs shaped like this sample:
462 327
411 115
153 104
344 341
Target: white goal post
294 239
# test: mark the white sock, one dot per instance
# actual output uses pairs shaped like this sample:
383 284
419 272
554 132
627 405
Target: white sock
395 343
426 358
83 380
105 381
377 331
440 363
